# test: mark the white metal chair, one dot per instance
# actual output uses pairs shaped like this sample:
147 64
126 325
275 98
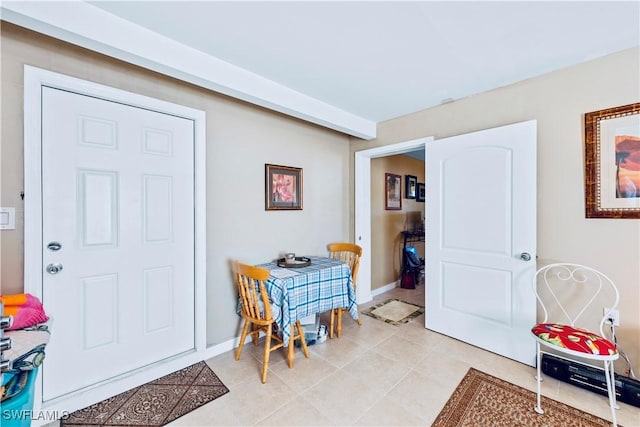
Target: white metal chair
572 298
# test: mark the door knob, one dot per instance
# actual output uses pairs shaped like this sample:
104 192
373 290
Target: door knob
525 256
54 268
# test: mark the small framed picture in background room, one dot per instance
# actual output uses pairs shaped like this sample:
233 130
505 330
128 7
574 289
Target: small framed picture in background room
392 192
410 184
421 192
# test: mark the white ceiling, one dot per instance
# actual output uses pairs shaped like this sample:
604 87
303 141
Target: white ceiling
372 60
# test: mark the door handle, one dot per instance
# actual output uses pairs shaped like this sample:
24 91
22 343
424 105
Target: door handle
54 268
525 256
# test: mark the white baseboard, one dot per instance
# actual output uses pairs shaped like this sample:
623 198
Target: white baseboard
223 347
385 288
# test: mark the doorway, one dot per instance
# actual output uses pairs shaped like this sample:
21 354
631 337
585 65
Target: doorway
363 205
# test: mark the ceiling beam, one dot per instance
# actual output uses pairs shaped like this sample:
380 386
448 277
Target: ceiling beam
90 27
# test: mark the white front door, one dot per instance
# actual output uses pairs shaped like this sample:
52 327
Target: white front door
118 199
481 238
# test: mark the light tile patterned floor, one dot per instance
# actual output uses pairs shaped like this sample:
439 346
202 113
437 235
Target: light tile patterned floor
374 375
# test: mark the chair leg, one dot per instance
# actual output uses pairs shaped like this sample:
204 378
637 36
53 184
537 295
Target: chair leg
290 347
267 353
331 323
611 389
339 322
303 340
538 378
243 337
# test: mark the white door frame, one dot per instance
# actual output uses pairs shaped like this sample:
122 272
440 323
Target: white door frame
34 79
363 205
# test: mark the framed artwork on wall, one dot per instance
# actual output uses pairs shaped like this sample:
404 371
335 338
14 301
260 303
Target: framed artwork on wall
283 188
392 192
420 197
612 162
410 182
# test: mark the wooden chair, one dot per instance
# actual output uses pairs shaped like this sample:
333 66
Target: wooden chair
256 311
349 253
572 297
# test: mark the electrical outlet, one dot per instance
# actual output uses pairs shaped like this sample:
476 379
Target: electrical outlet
614 314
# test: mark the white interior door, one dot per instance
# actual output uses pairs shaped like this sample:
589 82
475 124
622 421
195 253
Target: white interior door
481 238
118 197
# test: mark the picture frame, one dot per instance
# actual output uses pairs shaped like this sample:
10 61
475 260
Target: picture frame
392 192
421 192
283 188
410 184
612 162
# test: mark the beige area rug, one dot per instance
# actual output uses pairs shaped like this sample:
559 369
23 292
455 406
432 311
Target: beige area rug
155 403
483 400
395 311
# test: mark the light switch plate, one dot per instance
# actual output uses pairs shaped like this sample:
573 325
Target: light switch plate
7 218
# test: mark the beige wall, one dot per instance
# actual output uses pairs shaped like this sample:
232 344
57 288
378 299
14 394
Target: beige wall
387 241
558 101
240 139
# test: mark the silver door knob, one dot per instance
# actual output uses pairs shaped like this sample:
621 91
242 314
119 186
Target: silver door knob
525 256
54 268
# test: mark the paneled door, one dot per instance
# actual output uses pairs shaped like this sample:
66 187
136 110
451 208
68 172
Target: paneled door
481 238
118 238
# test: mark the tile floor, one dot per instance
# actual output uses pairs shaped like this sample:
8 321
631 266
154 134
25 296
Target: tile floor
374 375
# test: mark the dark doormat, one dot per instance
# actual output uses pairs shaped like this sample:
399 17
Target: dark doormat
155 403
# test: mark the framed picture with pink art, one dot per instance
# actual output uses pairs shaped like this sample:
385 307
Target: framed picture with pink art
612 162
392 192
283 188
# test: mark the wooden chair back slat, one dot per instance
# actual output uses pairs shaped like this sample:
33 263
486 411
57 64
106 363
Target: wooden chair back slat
348 253
253 294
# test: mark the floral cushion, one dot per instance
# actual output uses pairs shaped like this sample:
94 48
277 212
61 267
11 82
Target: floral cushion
574 339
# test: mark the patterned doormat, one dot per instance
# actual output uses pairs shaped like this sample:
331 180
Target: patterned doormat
394 311
484 400
155 403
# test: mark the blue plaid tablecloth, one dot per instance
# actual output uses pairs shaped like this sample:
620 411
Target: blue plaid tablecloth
323 285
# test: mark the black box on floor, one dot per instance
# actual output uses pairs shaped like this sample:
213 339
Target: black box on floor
590 378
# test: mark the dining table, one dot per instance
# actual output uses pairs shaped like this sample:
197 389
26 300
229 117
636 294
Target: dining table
298 292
